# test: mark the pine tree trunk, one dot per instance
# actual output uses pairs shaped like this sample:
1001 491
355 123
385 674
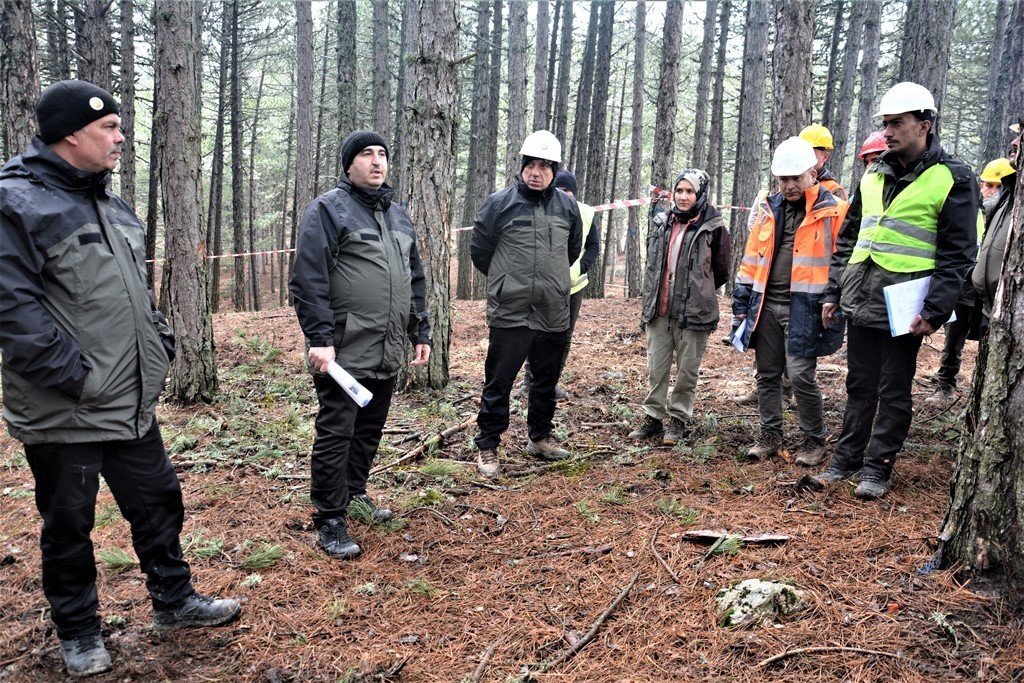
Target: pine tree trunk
610 241
59 61
516 130
254 270
844 109
828 108
432 175
791 68
984 527
153 201
549 91
489 140
597 148
282 261
750 139
347 74
19 68
715 148
540 67
699 157
126 169
304 107
994 134
561 111
237 169
872 12
668 86
584 103
318 143
193 376
1014 60
636 150
403 101
924 58
215 214
93 44
476 190
381 70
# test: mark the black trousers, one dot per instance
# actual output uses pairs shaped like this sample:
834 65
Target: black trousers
506 350
575 300
879 405
952 351
148 493
346 442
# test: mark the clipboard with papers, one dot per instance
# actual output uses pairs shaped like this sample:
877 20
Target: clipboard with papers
904 301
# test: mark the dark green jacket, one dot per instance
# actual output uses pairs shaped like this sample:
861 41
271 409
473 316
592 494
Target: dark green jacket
524 242
85 353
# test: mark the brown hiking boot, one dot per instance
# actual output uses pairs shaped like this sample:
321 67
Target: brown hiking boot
676 432
547 449
811 452
487 462
650 427
767 446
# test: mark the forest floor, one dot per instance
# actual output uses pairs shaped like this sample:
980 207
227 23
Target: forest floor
488 581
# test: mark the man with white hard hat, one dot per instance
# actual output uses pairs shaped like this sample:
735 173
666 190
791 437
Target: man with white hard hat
915 214
778 293
525 238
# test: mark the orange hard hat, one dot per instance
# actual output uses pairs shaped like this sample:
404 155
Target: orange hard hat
872 143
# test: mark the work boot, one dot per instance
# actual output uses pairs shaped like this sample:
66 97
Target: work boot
811 452
560 394
943 396
836 475
676 432
651 426
333 537
547 449
872 488
85 656
749 399
487 463
363 509
197 610
767 446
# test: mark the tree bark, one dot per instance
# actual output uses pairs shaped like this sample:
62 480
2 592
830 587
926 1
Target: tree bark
237 169
153 201
549 90
561 111
983 531
19 68
489 140
791 68
924 57
715 148
318 144
126 169
516 130
403 100
636 150
993 141
828 108
93 43
215 212
750 139
699 157
584 102
476 189
540 68
381 70
668 86
304 107
347 70
254 270
872 12
58 54
432 177
193 375
597 149
282 270
844 109
1015 62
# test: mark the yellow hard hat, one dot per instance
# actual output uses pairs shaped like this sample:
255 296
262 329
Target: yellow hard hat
996 169
818 135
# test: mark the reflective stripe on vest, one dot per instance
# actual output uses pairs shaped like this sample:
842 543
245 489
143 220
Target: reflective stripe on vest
901 238
577 280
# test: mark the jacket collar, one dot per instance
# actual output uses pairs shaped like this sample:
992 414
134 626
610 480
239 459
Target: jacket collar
376 200
42 163
889 165
536 195
816 198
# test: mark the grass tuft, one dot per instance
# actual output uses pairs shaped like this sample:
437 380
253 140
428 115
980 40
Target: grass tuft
266 555
116 560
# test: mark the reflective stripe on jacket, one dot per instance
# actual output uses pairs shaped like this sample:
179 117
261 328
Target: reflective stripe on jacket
813 246
901 237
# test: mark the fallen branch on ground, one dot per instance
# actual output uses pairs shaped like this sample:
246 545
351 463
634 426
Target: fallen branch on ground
660 559
813 650
422 448
601 550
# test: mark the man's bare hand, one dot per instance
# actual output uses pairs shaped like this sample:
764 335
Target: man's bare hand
320 356
921 327
828 313
422 354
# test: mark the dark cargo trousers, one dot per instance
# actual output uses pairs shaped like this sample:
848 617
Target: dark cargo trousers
346 442
147 491
507 349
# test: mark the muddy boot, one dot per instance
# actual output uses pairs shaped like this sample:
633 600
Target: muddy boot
871 488
945 395
767 446
650 427
333 537
676 432
547 449
811 452
487 462
834 475
197 610
85 656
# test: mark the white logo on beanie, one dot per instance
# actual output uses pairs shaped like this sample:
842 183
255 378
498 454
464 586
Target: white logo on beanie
96 103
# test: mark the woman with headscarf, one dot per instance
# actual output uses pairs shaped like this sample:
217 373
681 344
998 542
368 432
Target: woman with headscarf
688 258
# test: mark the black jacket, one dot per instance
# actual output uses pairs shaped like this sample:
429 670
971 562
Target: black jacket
524 241
858 287
358 281
85 353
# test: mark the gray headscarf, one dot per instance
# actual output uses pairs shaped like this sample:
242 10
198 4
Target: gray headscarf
701 182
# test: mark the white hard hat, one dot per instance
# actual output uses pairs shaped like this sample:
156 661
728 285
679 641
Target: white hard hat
904 97
792 157
542 144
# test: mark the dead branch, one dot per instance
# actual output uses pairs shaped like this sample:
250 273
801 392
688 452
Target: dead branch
601 550
660 559
422 448
814 650
598 425
485 660
571 652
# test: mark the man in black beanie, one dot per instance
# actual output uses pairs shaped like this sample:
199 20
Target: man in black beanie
525 238
85 355
359 288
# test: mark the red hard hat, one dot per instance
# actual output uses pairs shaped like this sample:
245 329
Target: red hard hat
872 143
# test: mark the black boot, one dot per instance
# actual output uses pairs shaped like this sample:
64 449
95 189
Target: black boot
333 537
85 656
197 610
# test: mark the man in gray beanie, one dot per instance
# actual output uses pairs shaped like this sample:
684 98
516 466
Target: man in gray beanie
85 355
359 290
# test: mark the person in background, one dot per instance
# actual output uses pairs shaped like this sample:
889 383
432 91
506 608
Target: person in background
992 180
688 258
820 139
872 148
985 277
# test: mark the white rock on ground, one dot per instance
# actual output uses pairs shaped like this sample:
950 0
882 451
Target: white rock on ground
756 600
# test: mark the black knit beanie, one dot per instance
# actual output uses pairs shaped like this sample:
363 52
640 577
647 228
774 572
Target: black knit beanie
527 159
67 106
566 181
356 142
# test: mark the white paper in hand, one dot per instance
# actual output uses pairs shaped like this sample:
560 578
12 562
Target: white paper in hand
737 337
360 394
903 303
